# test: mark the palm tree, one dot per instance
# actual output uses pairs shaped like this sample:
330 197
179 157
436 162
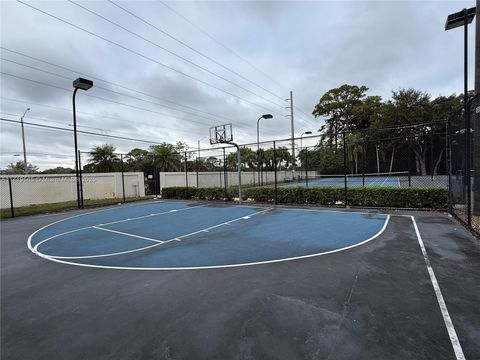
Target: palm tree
103 158
167 157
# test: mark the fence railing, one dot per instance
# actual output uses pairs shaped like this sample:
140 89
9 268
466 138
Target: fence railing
411 156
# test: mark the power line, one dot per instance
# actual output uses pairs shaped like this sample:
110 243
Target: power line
18 123
221 44
113 83
87 113
145 57
29 103
228 49
195 50
169 51
81 126
106 89
102 98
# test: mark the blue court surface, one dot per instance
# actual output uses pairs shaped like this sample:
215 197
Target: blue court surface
357 181
180 235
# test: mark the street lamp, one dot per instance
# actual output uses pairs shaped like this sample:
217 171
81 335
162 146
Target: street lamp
301 138
463 18
82 84
264 116
23 140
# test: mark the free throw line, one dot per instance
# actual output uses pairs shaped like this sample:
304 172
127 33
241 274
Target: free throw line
128 234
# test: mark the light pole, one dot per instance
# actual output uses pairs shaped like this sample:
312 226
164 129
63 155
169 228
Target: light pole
82 84
301 147
23 140
198 141
264 116
463 18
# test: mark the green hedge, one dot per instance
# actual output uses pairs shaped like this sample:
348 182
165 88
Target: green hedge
431 198
212 193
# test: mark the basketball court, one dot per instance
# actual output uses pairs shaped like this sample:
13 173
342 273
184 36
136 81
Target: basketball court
239 282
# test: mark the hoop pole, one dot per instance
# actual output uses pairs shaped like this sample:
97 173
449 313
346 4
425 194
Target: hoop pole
239 166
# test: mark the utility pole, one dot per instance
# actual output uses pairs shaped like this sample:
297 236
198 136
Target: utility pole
476 118
292 121
23 141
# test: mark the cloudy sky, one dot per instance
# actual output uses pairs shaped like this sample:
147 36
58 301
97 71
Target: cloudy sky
167 71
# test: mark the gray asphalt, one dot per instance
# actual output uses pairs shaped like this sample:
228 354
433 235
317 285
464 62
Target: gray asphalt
375 301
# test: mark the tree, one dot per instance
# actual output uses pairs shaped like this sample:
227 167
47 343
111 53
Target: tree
59 170
167 157
19 168
338 106
138 160
103 159
248 158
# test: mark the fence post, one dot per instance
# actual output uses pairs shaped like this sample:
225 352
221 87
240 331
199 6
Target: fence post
186 174
11 196
155 180
449 164
409 155
197 163
225 180
80 185
364 160
306 167
345 167
123 178
275 170
431 152
468 175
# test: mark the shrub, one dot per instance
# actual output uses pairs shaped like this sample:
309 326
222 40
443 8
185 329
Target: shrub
181 192
432 198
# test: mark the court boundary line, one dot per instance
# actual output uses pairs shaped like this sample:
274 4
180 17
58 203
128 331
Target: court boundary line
452 334
159 242
35 248
58 260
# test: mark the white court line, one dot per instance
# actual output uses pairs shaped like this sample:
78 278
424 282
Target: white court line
457 347
146 216
128 234
177 238
107 208
35 248
221 266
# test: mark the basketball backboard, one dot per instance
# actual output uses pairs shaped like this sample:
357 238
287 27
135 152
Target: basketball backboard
221 134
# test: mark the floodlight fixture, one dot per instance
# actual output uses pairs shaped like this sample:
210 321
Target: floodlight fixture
267 116
458 19
83 84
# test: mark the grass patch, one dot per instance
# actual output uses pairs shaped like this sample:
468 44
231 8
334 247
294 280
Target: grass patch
63 206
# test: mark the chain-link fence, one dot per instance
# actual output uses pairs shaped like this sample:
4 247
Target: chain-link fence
102 179
402 157
464 159
410 156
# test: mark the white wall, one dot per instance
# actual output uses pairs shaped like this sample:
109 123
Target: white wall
52 188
